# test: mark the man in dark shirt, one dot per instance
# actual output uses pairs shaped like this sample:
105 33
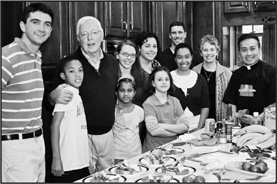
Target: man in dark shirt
253 85
177 34
97 91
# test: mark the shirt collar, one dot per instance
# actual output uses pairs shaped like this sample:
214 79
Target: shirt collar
101 55
157 102
24 47
251 66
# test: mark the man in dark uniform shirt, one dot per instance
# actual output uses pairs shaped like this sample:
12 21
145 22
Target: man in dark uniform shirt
177 34
253 85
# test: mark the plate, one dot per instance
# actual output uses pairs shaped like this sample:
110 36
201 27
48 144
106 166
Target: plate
173 151
166 160
191 170
234 169
173 180
135 173
88 179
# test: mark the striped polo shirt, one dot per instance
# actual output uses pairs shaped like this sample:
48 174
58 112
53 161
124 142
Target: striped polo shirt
22 89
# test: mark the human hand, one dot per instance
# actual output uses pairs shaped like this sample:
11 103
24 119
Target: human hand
247 119
61 95
57 167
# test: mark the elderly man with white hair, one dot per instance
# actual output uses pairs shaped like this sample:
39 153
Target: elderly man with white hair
97 92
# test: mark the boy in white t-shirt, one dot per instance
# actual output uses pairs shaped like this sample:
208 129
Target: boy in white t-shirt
69 129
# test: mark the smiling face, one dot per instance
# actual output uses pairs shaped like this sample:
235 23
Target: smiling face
127 62
161 82
177 35
149 49
249 51
73 73
90 37
126 92
209 52
183 59
37 29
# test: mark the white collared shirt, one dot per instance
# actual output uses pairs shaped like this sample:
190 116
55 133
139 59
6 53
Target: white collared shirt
95 62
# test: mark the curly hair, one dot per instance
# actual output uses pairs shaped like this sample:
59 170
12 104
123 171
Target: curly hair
142 38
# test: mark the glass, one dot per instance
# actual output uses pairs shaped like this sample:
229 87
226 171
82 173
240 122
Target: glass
92 33
125 54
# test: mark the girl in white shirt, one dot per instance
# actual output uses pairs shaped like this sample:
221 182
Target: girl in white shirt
127 118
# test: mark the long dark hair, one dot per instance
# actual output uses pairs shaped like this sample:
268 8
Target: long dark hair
136 70
151 88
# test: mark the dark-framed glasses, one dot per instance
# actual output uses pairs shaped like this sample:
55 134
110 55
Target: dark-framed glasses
125 54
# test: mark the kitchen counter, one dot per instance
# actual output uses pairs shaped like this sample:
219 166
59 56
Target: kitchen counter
220 156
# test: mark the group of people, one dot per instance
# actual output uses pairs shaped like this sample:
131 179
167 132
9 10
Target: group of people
108 109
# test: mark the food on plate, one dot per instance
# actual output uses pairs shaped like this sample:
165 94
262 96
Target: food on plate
157 179
102 177
210 142
175 170
236 166
199 179
129 169
156 160
246 166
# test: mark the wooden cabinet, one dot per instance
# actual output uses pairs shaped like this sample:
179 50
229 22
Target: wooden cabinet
264 6
125 19
245 6
236 6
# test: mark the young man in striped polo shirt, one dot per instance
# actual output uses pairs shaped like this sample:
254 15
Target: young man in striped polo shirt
23 147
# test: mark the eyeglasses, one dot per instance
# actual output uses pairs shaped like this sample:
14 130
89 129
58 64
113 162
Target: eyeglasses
92 33
125 54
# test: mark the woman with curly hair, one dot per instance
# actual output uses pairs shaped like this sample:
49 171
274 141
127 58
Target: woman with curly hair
149 45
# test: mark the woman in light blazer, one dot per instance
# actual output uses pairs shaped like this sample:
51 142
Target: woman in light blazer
216 75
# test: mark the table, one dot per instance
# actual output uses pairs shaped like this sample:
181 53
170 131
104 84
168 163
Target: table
190 149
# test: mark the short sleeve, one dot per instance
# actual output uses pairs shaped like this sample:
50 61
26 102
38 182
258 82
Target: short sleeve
7 71
65 107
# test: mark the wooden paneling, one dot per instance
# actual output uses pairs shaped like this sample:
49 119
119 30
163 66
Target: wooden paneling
10 26
164 13
78 10
203 21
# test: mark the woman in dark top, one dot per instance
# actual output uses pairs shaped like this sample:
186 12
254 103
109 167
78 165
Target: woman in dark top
191 88
216 75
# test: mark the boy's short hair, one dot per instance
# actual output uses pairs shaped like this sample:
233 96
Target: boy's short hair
37 7
66 60
151 88
247 36
176 23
